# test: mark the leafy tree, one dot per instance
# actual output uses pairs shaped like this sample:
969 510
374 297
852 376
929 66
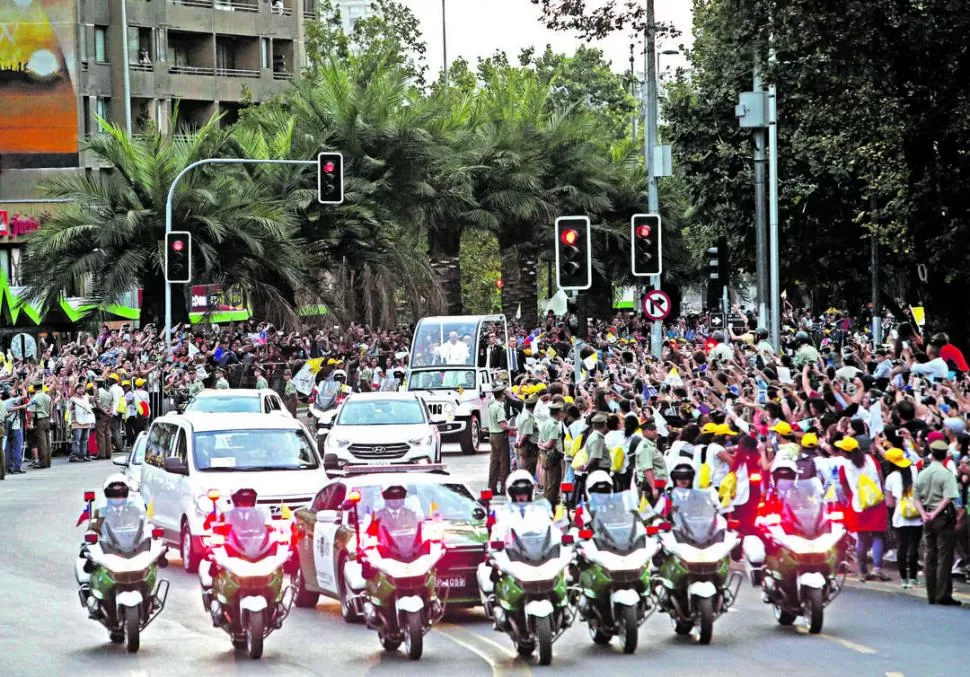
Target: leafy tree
111 233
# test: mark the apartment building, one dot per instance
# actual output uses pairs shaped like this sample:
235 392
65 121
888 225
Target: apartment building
352 10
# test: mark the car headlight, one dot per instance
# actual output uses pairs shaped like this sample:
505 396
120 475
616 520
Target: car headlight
421 441
337 443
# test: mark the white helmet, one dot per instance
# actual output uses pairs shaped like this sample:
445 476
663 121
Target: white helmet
520 484
339 375
683 470
598 482
784 469
116 486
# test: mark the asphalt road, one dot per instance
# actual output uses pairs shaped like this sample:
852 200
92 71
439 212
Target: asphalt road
44 631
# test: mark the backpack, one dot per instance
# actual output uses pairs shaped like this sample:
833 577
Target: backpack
907 506
805 465
869 493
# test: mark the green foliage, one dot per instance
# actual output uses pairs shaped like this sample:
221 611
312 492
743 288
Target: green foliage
481 265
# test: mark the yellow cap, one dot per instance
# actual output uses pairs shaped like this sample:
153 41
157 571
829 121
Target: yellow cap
113 376
725 429
898 458
139 382
782 428
847 444
809 440
126 382
90 386
709 427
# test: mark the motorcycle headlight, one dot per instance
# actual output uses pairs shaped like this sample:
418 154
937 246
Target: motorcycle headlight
421 441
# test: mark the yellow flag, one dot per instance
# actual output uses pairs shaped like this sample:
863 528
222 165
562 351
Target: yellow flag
315 364
285 511
150 510
550 353
560 515
434 508
643 504
830 494
674 371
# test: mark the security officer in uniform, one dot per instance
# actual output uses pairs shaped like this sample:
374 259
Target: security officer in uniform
498 438
41 406
261 382
102 423
528 437
221 382
599 455
196 386
550 445
290 398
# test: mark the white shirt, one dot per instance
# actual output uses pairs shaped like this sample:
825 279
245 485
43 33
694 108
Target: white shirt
934 369
454 353
894 486
117 395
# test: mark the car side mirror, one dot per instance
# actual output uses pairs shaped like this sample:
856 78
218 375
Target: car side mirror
176 466
123 462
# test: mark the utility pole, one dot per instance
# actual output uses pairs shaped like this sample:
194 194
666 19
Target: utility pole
874 264
773 201
760 223
649 142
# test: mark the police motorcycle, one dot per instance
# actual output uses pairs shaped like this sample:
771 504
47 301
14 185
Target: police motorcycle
613 559
399 552
796 562
242 575
117 568
523 582
694 584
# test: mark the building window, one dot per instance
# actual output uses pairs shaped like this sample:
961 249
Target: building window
101 44
82 42
160 44
134 44
101 107
264 52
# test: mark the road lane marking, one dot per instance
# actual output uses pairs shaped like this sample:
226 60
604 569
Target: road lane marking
860 648
895 674
503 661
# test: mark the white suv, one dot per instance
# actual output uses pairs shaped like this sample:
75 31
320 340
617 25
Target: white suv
186 456
379 429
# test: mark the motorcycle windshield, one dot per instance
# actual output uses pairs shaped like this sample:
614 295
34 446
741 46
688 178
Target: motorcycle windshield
803 506
615 523
530 537
249 534
123 530
399 536
695 518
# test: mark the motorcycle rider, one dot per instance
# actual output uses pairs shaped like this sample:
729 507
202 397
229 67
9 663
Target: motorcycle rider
243 510
394 509
758 546
116 492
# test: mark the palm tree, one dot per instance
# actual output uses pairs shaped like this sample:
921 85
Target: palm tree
535 163
370 246
110 235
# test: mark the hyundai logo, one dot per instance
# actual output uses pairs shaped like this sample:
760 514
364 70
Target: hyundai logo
379 450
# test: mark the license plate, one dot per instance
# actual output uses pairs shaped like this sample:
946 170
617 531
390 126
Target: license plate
452 582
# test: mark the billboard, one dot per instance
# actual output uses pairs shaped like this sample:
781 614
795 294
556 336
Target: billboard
38 77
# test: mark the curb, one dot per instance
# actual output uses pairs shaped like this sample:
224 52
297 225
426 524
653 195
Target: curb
895 589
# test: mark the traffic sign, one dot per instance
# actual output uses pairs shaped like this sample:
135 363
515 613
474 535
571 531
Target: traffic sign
656 304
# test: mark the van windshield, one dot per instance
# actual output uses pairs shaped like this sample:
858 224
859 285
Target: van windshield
248 450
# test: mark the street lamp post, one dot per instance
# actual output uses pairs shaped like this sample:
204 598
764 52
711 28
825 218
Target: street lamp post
168 218
444 40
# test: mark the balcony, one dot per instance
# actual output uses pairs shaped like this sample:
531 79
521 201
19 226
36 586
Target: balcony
282 75
142 79
236 73
191 70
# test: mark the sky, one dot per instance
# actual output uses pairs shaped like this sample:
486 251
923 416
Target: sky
476 28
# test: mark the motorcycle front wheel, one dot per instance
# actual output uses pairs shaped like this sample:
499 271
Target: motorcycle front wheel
705 613
544 639
132 629
814 609
254 635
631 630
413 634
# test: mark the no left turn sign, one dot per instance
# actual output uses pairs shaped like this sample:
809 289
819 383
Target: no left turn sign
656 304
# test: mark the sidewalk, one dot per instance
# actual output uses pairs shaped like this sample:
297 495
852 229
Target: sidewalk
961 589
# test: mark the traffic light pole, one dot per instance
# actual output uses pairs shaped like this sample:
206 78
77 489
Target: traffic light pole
168 217
649 142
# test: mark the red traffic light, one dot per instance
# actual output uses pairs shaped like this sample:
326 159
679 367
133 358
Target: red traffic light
329 167
178 245
569 236
643 230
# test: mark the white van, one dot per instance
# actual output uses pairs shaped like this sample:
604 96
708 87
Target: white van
186 456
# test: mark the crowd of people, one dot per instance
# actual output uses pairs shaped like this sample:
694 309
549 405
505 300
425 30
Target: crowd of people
884 427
